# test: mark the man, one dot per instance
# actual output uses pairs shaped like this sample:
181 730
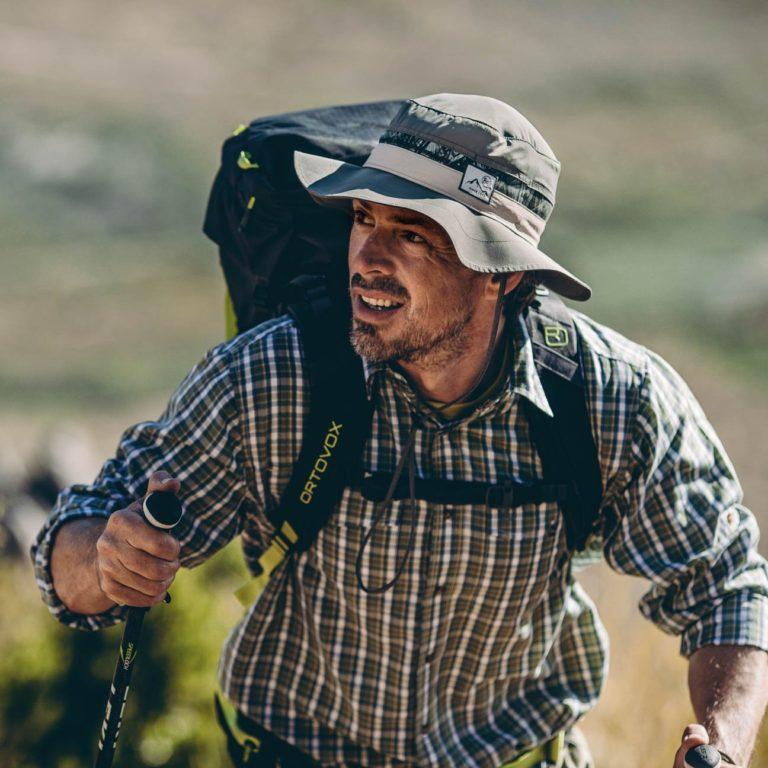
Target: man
416 633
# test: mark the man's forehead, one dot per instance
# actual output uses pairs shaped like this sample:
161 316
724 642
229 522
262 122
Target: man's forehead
398 215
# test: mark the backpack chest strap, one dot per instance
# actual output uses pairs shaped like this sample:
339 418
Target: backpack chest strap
509 493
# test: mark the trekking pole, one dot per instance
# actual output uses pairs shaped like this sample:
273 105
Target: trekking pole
702 756
161 509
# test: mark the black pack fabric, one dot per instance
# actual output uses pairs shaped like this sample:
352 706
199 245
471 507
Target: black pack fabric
339 411
266 226
271 236
565 443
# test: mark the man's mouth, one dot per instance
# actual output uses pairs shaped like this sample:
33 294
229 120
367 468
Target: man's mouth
380 304
368 306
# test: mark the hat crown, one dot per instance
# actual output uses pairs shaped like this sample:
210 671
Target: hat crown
486 130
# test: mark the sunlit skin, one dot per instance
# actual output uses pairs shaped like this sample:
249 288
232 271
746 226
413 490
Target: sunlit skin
440 332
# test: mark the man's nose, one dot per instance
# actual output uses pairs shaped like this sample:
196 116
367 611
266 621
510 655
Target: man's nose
374 254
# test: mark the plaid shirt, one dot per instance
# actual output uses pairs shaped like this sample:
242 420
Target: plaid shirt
486 645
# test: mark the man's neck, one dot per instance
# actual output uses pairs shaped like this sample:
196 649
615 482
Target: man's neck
455 378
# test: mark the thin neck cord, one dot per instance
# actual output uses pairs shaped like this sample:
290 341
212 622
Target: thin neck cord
409 456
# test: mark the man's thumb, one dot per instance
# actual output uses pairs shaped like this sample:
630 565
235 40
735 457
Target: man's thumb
693 735
163 481
696 733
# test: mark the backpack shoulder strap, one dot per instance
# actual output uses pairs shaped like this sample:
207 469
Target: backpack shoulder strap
339 414
337 424
565 444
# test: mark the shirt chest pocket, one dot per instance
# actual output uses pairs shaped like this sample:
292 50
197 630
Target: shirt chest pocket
339 542
507 564
510 553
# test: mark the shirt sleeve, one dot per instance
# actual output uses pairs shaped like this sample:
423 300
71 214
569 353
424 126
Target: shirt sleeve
678 521
197 440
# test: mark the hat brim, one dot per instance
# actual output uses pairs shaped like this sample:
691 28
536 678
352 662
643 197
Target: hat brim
483 242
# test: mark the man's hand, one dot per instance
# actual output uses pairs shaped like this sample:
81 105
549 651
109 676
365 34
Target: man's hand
729 691
136 563
694 735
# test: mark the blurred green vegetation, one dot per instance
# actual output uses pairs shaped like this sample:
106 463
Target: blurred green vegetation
54 681
110 129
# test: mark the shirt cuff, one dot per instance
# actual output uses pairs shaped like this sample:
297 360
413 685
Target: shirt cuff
741 619
41 556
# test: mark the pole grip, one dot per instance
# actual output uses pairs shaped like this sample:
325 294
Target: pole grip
703 756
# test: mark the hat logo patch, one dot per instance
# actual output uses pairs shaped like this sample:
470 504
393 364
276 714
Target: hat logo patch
478 183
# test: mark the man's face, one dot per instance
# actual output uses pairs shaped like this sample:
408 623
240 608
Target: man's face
412 299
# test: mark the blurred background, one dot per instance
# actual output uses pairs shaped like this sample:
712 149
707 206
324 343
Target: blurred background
111 123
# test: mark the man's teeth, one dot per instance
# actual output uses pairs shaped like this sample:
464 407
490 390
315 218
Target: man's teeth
379 302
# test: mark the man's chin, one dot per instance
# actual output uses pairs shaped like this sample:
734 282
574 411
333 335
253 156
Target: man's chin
372 345
367 341
409 344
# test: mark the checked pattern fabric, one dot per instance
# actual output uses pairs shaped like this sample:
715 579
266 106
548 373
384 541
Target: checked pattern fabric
486 645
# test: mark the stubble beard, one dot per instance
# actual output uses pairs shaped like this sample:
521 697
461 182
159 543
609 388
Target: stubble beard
429 347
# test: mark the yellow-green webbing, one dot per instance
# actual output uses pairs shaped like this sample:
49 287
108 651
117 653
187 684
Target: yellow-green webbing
230 318
551 752
272 556
249 743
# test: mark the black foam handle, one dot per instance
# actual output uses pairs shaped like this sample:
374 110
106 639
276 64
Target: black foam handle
162 509
703 756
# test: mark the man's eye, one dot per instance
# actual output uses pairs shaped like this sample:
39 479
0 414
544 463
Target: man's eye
358 217
414 237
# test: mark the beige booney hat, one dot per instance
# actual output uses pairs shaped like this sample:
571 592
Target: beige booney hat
473 164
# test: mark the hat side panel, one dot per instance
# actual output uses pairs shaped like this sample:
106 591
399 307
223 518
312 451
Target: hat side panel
518 156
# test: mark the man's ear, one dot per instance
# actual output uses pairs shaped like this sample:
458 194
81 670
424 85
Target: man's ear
513 280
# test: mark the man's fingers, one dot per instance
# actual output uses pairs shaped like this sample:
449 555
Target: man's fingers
162 481
153 568
118 572
123 595
154 542
693 735
127 525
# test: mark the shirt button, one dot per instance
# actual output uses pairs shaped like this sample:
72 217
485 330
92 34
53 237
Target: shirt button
430 657
448 512
439 589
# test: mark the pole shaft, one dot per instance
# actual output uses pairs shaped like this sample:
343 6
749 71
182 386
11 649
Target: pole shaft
118 692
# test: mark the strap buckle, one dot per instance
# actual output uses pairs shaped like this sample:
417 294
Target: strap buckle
228 718
500 495
250 747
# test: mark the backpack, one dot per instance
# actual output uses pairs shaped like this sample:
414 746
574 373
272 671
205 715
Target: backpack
281 252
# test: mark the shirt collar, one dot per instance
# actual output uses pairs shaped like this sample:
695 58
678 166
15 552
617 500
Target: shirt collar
524 379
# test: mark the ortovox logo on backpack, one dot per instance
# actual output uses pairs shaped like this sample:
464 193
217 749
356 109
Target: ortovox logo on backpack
555 336
321 462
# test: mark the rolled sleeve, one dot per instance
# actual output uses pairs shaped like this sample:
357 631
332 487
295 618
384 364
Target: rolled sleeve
197 440
41 558
741 619
680 523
